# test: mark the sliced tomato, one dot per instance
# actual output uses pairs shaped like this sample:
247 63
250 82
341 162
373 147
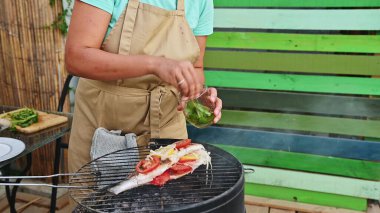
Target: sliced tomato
188 158
161 179
146 166
182 143
179 169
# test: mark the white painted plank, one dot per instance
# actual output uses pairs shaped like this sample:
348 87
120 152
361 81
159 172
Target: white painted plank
314 182
345 19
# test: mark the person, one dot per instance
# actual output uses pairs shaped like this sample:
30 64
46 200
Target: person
138 60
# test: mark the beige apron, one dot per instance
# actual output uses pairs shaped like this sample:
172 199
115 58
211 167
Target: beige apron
145 105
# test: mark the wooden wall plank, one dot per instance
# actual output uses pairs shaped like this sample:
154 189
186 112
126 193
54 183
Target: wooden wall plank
293 62
314 182
299 207
291 82
343 126
281 211
256 209
316 145
295 42
305 162
355 19
303 196
300 102
297 3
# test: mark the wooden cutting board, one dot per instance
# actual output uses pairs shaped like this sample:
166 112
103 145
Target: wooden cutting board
45 120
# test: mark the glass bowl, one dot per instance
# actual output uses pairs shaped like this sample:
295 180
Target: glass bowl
199 112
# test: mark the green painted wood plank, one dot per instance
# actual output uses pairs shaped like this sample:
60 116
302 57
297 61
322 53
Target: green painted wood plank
303 196
314 182
297 19
295 42
308 123
293 62
297 3
290 82
306 162
300 102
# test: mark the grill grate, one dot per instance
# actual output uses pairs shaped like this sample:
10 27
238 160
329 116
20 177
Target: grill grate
201 186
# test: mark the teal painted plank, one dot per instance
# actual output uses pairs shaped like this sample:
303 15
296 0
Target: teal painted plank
293 62
306 162
297 3
300 102
308 123
290 82
295 42
288 142
314 182
304 196
355 19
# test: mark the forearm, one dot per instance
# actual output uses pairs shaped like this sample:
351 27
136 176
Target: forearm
97 64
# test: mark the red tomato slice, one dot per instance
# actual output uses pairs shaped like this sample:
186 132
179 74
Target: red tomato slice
182 143
146 166
161 179
179 169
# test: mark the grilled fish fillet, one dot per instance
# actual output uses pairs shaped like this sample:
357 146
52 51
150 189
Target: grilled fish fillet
171 158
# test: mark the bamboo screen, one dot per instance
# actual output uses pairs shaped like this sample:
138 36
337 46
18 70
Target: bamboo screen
31 62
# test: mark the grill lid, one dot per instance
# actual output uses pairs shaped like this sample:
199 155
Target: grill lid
194 192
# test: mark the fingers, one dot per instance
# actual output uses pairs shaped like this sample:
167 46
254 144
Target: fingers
182 84
198 82
189 79
218 110
182 75
212 93
181 105
217 102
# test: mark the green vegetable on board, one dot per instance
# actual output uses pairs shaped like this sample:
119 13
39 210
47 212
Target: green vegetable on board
198 115
22 118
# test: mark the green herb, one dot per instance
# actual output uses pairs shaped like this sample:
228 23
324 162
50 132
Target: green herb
198 115
23 118
60 21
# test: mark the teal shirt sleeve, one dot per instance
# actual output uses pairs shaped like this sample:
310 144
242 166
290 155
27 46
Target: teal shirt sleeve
206 19
106 5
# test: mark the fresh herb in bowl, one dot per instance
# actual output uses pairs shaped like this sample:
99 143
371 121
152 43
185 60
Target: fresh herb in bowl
198 114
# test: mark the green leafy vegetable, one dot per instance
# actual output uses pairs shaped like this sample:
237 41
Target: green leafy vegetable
23 118
198 115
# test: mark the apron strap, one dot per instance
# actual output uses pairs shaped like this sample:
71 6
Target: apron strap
181 5
128 26
154 114
155 107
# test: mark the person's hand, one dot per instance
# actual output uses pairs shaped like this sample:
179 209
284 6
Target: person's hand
212 100
217 102
182 75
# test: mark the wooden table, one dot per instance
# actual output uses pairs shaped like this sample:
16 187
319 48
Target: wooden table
32 142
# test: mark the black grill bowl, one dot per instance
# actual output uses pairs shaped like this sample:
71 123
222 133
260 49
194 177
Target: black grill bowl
218 189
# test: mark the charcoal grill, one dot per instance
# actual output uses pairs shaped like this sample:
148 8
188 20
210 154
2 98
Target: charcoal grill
218 189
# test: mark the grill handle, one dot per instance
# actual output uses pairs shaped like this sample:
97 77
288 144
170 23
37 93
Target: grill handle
41 177
248 171
43 184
